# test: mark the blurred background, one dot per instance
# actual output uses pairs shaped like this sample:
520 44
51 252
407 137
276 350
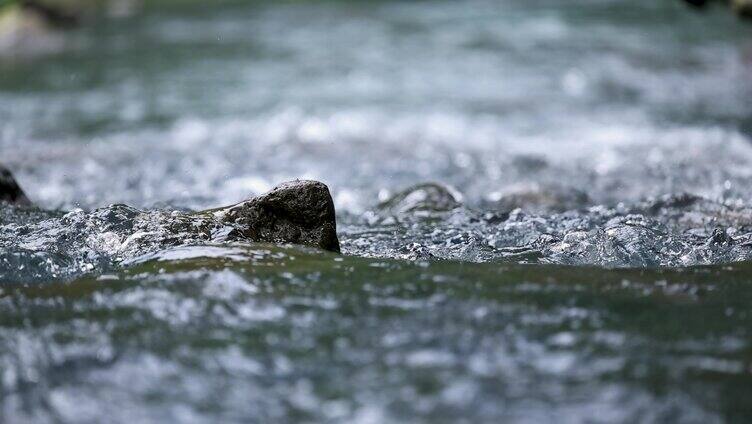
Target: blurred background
196 104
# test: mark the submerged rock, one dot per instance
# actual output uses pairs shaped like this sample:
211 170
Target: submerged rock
428 197
10 191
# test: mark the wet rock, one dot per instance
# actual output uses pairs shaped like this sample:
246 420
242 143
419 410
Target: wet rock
10 191
428 197
66 244
416 251
53 14
671 201
299 212
742 7
720 238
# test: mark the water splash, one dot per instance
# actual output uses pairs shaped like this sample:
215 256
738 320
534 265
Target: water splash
675 230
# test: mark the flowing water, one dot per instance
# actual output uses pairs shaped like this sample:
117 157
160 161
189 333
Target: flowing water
545 211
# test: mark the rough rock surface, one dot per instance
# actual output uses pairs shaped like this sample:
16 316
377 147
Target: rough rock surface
300 212
10 191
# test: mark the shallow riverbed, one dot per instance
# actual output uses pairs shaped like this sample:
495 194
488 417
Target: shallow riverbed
584 253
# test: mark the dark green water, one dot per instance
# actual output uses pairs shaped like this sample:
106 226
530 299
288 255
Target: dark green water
263 334
593 262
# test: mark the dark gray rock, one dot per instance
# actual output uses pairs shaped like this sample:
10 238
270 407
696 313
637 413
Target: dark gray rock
299 212
427 197
53 14
10 191
742 8
720 238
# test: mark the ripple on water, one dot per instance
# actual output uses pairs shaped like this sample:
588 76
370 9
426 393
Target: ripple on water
604 133
349 339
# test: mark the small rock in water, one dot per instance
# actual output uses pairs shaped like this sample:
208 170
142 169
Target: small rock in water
55 244
300 212
720 238
428 197
10 191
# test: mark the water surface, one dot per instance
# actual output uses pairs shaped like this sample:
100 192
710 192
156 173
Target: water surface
583 255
